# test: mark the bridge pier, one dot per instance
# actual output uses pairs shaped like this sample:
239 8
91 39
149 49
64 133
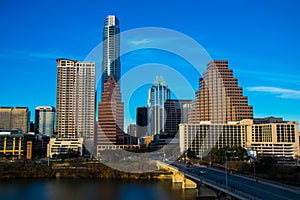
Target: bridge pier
187 183
177 177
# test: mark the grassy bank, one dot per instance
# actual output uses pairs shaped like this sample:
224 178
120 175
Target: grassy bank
70 169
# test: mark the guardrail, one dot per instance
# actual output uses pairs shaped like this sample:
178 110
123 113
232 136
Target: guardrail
231 191
263 181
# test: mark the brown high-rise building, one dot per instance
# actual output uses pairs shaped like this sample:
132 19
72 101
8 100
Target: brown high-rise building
110 114
219 98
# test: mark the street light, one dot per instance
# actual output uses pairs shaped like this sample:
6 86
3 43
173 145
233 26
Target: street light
252 154
210 162
226 175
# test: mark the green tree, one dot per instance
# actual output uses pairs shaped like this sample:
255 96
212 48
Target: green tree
190 153
264 164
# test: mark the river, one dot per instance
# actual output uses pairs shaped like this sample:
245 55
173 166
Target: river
79 189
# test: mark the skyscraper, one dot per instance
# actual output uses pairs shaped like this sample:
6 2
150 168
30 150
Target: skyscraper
219 98
15 118
111 49
132 130
157 95
175 110
141 121
75 100
44 120
110 114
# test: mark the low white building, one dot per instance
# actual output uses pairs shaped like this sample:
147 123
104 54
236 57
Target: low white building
62 146
280 139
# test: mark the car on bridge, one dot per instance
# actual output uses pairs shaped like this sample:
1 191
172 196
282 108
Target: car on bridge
202 172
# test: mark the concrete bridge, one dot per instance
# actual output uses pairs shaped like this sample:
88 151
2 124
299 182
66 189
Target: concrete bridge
230 186
178 176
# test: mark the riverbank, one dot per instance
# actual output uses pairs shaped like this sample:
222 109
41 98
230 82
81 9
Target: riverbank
71 169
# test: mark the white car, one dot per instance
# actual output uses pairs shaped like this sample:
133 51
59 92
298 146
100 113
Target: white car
202 172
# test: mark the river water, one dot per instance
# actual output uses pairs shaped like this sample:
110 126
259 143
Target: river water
79 189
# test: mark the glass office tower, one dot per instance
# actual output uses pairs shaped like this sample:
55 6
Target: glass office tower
111 49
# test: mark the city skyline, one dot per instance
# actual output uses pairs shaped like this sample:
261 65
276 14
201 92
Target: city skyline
208 92
268 72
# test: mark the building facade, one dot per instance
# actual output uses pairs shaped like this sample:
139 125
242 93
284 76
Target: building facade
219 98
278 139
22 146
157 96
175 110
132 130
75 101
131 137
110 114
267 120
272 139
59 146
15 118
111 49
201 138
44 120
141 121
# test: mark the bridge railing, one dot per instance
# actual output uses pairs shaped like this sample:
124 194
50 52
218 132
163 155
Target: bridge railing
230 190
221 187
264 181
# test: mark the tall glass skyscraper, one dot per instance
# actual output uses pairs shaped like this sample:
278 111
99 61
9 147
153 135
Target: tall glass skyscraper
44 120
157 96
111 49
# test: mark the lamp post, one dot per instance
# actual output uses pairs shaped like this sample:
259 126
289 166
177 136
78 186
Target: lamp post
252 155
210 162
48 150
254 171
201 147
226 175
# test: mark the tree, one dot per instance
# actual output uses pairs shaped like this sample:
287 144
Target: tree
264 164
190 153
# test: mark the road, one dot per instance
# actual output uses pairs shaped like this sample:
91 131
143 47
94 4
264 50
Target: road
257 188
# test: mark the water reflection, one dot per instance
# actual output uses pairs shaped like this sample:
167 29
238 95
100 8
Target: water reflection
79 189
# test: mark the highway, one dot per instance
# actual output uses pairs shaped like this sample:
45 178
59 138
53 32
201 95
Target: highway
256 188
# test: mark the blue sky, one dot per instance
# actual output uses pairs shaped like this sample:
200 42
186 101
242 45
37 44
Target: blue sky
259 38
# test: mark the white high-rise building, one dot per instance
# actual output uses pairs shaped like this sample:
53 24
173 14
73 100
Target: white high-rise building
75 99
